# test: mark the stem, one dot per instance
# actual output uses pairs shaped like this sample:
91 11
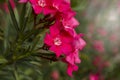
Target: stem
47 56
35 20
15 72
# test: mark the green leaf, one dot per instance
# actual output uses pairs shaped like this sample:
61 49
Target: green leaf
25 16
2 59
36 63
79 4
1 31
35 42
1 38
22 17
13 17
29 34
15 73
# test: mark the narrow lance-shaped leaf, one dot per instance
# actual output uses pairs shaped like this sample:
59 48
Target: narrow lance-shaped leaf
22 16
1 30
30 33
2 59
26 10
15 72
79 4
13 17
35 42
1 34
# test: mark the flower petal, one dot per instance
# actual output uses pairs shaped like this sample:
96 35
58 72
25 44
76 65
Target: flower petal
48 40
23 1
56 49
71 68
66 48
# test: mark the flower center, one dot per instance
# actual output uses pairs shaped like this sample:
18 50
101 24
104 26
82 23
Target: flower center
41 3
55 6
57 41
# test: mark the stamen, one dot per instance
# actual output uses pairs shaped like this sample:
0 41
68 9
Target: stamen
57 41
42 3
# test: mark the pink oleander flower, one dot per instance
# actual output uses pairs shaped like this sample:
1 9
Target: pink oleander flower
115 50
94 77
99 46
23 1
113 38
67 18
100 63
71 68
102 32
79 43
72 22
97 61
40 6
55 75
49 6
73 58
68 24
67 1
5 7
59 41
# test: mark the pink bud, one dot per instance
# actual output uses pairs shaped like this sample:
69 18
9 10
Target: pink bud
55 75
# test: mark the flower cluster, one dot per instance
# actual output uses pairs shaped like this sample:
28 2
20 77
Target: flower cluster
100 65
62 38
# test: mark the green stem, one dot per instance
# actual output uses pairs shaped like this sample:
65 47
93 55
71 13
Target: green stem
48 56
15 72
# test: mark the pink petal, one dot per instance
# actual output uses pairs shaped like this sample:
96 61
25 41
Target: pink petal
70 12
71 22
63 7
73 58
49 10
66 36
68 1
54 30
71 68
70 30
76 55
37 9
70 59
79 43
94 77
48 40
82 43
23 1
34 2
56 49
66 48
